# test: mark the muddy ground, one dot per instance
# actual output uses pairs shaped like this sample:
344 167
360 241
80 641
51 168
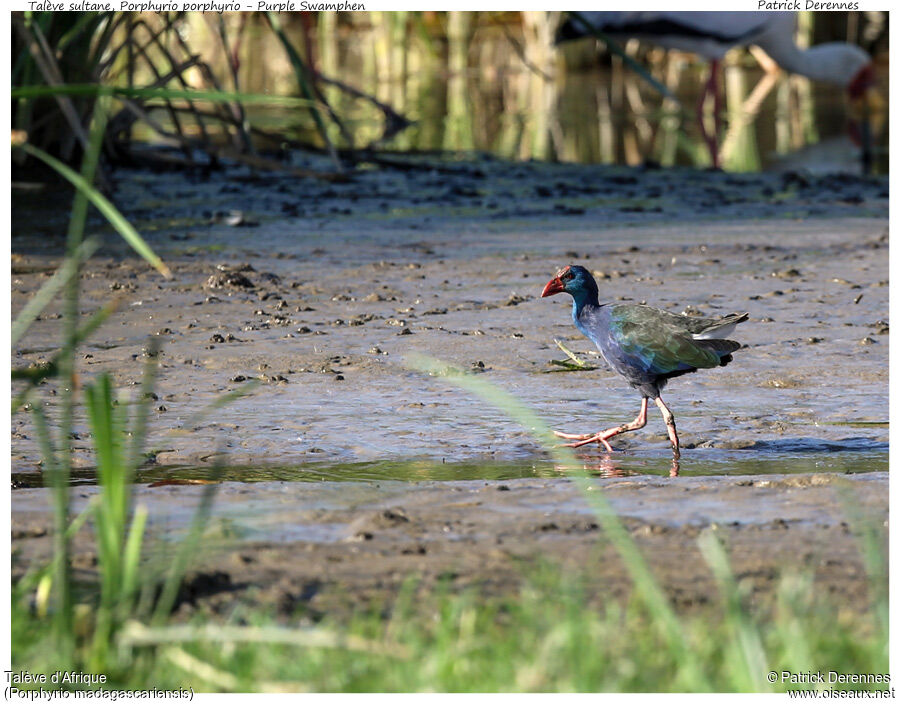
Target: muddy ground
321 292
333 545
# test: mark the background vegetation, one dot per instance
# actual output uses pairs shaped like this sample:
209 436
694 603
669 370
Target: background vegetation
367 85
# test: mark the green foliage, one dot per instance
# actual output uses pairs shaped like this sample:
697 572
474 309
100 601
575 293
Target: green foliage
549 636
65 61
118 545
301 71
52 49
94 90
80 636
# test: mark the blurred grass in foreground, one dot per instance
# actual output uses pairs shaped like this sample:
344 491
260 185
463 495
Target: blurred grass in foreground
546 637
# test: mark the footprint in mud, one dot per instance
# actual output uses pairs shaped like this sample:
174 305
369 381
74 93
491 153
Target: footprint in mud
366 527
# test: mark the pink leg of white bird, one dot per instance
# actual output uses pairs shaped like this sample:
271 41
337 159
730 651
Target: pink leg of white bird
711 87
602 437
717 105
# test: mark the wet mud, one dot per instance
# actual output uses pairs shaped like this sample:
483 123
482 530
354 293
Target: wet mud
312 548
319 293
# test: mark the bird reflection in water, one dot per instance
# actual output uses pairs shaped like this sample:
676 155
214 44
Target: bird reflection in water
606 465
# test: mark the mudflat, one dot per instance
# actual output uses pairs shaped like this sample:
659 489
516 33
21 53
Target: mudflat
321 292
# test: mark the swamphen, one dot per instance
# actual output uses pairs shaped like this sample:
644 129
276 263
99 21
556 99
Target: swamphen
647 346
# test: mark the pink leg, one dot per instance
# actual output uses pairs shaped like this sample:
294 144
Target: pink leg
602 437
700 122
717 105
711 87
670 427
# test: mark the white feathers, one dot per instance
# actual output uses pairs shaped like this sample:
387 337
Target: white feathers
712 33
719 333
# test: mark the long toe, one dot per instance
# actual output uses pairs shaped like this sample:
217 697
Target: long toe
588 440
573 436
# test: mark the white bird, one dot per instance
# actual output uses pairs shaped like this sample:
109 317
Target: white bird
711 34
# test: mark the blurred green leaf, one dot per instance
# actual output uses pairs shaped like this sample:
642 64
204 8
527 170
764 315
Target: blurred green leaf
102 203
41 91
48 291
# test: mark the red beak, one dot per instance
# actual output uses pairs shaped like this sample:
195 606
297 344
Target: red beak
554 285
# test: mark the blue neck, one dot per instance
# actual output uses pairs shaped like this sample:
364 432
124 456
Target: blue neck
580 299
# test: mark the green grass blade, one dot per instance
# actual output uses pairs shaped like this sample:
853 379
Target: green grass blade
78 28
48 291
131 557
614 48
98 399
747 640
45 440
186 548
35 375
95 321
109 211
570 354
92 90
302 74
139 428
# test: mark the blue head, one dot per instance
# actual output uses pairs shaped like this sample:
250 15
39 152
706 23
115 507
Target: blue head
577 282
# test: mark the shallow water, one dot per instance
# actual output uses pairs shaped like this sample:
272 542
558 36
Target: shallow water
299 506
796 456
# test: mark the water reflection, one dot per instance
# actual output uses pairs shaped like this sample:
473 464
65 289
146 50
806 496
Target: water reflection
472 82
606 464
789 456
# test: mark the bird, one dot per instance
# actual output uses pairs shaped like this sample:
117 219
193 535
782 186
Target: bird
646 345
711 35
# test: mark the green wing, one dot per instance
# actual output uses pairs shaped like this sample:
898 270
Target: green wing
656 343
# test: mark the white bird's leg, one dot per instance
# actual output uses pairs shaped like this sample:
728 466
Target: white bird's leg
602 437
765 61
712 140
717 107
670 426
